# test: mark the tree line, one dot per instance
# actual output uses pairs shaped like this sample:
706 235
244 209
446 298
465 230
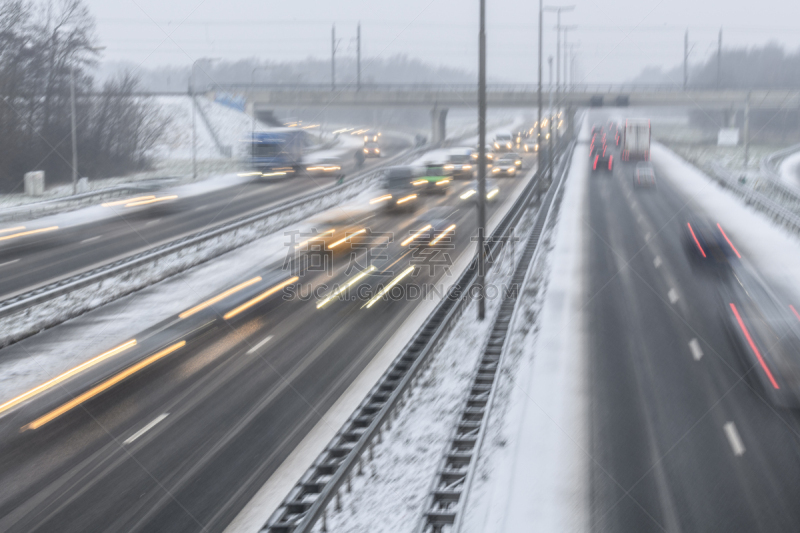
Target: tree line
44 46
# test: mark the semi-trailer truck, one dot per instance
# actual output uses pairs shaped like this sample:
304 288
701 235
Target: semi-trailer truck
636 140
278 151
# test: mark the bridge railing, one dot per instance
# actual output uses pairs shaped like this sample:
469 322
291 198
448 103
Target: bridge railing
590 88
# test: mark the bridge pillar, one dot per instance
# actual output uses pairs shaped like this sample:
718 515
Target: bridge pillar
438 124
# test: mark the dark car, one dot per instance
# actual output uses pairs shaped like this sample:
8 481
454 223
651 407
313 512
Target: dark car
436 222
603 159
766 335
398 191
707 247
434 180
459 164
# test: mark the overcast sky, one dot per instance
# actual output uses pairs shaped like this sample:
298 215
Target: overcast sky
615 38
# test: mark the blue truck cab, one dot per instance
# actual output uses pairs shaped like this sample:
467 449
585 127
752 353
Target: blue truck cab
278 151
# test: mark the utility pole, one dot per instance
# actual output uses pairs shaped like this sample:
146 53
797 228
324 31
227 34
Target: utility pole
747 130
685 59
566 51
719 60
539 121
550 79
74 139
194 112
558 10
333 57
482 160
358 58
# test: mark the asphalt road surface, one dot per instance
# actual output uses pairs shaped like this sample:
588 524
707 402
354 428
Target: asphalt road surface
682 437
215 404
32 261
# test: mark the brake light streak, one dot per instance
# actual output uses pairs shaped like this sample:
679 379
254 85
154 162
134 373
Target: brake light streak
729 242
794 311
754 347
695 239
66 375
94 391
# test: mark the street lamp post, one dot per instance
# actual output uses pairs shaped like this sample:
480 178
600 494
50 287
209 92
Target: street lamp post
194 112
481 278
539 117
558 10
252 86
73 126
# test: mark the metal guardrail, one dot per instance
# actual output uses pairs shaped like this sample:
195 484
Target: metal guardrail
73 283
307 502
492 87
44 205
757 199
453 479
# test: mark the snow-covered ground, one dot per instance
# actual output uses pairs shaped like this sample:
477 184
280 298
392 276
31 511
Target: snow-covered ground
532 469
789 170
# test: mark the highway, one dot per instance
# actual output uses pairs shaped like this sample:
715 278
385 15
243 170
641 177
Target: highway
178 431
682 437
35 260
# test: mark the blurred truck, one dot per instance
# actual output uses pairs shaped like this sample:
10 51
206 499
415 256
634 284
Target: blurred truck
278 151
636 140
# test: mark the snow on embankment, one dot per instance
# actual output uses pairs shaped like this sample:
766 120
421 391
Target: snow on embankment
789 170
773 251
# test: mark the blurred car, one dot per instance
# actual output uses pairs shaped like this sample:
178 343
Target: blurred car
517 160
505 165
459 164
707 248
435 180
503 142
490 156
766 336
435 222
597 128
530 145
398 193
326 167
644 175
492 191
603 159
372 149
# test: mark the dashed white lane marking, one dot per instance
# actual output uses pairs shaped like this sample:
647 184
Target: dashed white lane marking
733 437
152 221
9 262
657 261
90 239
260 344
147 428
673 296
697 351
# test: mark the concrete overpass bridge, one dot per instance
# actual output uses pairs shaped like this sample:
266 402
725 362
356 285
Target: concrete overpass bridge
439 98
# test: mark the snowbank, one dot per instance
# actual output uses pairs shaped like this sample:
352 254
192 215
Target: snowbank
789 170
533 467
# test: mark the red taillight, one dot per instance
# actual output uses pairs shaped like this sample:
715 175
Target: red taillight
594 167
610 162
754 347
729 242
604 150
695 239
